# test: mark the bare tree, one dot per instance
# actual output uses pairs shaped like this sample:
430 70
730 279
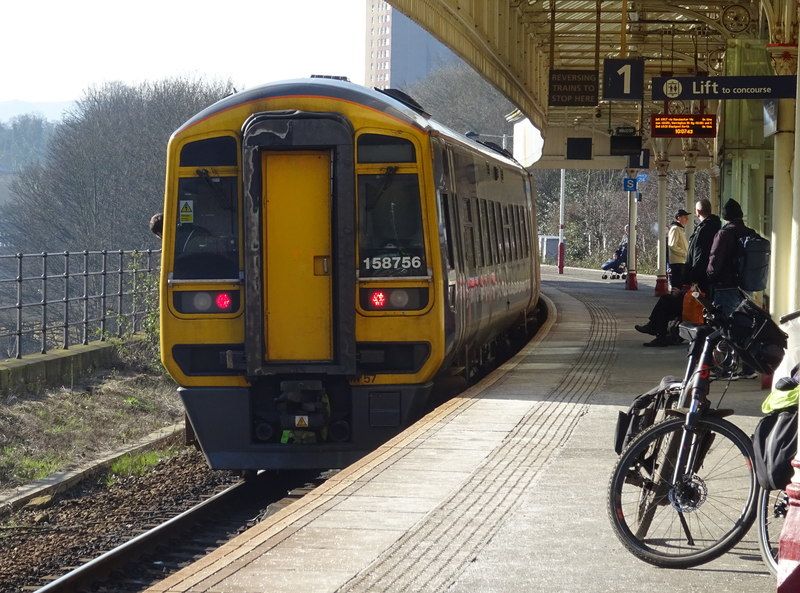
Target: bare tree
103 175
458 97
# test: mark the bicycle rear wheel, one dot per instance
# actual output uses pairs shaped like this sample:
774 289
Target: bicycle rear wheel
697 519
772 508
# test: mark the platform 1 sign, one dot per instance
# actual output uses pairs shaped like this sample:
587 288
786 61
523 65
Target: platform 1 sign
723 87
573 88
685 125
623 79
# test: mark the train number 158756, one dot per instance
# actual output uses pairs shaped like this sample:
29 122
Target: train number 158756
394 262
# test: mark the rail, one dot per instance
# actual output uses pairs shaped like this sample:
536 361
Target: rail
56 300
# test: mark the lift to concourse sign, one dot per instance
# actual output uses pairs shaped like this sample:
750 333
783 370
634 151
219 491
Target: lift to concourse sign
723 87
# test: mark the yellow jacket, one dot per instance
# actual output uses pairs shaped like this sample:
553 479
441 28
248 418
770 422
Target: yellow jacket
678 244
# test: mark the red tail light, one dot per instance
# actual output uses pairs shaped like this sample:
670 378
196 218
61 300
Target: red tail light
223 301
378 299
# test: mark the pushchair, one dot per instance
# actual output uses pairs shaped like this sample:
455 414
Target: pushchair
617 266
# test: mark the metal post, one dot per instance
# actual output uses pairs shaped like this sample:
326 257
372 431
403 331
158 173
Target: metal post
119 295
18 338
631 282
561 246
85 297
44 302
104 284
66 300
134 294
662 165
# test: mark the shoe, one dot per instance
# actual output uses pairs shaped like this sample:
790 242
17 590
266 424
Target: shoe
645 329
658 342
743 375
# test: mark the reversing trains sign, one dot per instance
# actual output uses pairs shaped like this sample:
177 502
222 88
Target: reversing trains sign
573 88
685 125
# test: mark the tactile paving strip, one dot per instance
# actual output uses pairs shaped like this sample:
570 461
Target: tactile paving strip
431 555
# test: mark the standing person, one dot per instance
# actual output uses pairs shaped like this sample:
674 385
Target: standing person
694 271
723 268
678 247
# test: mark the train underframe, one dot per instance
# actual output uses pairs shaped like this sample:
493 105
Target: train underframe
309 422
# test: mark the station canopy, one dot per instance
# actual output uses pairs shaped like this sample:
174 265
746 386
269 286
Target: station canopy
516 44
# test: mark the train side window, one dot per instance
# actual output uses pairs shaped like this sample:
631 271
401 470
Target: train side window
526 243
476 225
469 235
207 229
515 232
486 242
448 235
490 222
498 221
509 246
212 152
377 148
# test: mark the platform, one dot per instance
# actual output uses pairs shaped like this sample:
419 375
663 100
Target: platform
501 489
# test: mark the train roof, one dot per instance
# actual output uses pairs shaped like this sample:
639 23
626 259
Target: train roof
347 91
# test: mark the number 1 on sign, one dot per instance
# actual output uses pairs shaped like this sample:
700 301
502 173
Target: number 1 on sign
626 79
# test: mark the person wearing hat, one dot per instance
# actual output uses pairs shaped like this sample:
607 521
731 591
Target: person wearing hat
723 268
678 247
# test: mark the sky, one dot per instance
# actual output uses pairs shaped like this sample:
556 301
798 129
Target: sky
53 50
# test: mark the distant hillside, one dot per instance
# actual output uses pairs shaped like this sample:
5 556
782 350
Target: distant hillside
52 110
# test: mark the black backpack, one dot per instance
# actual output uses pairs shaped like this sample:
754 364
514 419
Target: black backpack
753 262
775 445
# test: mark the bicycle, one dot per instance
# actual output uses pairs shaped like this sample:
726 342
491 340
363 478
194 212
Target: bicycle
683 491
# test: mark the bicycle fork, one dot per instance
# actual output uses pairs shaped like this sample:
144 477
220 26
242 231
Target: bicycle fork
694 443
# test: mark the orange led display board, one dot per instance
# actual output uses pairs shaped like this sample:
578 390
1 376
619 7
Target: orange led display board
683 125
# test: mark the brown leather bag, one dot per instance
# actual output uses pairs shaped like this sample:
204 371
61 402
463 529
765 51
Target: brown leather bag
692 310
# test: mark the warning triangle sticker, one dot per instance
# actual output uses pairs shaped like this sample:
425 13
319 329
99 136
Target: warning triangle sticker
186 207
301 421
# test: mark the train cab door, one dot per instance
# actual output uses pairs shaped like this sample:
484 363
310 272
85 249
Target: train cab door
299 227
297 255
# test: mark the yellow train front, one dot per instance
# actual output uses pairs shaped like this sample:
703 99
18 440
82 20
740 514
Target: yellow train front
329 250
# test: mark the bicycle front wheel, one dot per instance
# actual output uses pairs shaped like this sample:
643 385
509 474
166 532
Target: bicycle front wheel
707 511
772 508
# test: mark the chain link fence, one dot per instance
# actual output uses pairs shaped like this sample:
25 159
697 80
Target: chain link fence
56 300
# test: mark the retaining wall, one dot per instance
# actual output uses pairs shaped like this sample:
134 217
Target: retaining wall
57 367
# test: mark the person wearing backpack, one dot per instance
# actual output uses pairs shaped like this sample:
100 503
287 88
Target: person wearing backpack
724 264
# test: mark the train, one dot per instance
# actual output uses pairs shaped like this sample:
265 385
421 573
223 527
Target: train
329 252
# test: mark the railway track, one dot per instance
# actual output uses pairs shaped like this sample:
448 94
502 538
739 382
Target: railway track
164 548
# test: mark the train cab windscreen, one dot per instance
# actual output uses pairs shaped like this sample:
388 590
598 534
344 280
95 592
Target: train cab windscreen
206 235
390 225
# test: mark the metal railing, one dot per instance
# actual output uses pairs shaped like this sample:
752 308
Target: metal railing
54 300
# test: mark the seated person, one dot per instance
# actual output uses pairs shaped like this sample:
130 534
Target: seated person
664 319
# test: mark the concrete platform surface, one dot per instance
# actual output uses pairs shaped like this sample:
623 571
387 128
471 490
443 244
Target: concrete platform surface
502 489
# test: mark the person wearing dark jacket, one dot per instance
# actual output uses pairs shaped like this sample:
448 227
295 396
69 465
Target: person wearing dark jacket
723 268
694 272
